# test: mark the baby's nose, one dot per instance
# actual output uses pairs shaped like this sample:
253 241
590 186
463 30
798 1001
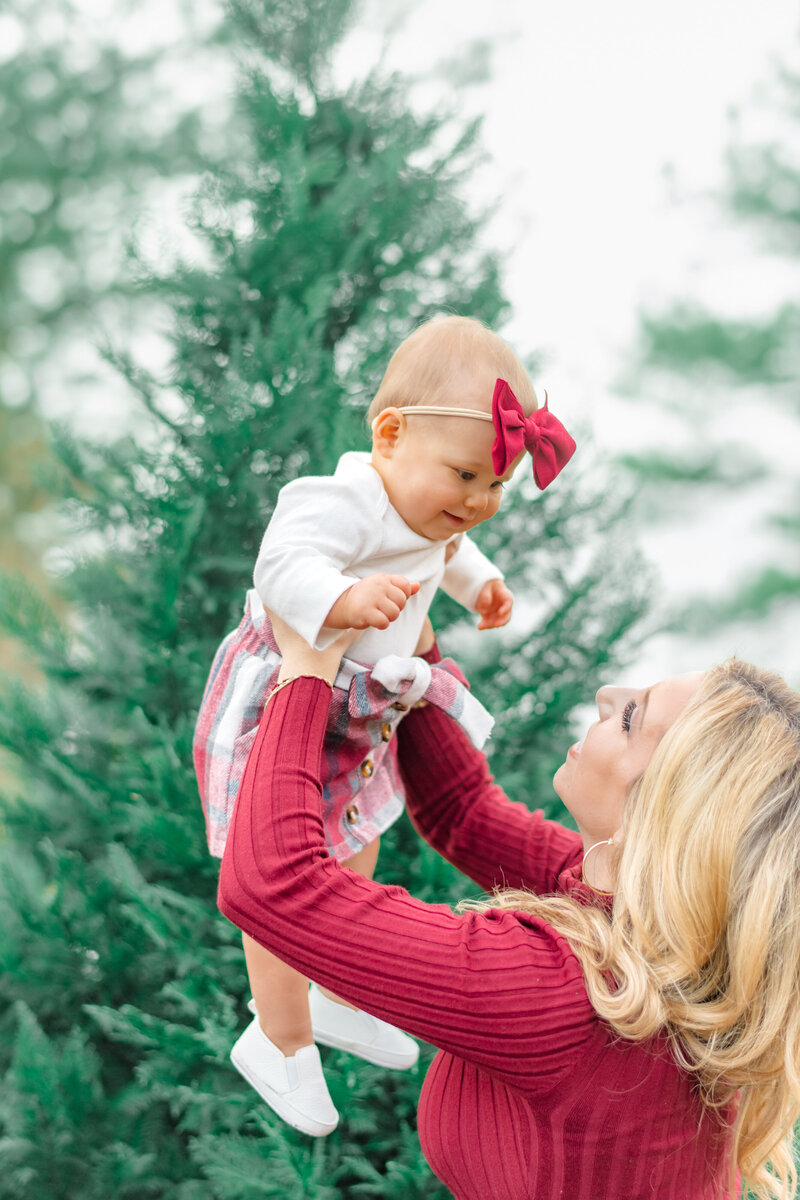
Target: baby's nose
477 500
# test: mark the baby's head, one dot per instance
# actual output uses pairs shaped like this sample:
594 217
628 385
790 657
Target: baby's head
452 362
437 469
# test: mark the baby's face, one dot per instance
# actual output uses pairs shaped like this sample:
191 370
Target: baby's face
439 474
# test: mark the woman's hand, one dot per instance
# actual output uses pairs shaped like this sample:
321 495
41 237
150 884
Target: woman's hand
301 659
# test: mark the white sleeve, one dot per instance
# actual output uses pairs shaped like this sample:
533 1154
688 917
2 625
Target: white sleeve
466 573
321 526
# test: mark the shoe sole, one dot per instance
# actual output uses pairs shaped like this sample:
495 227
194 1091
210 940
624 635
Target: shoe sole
366 1052
277 1103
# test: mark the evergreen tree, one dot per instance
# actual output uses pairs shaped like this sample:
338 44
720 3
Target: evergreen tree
87 129
123 989
732 381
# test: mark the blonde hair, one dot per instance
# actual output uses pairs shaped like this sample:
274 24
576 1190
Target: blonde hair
431 364
703 943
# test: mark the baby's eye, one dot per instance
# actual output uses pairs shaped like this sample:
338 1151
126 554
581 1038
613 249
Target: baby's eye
465 475
498 485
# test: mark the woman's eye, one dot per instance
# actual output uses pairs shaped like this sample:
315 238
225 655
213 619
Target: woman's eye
627 715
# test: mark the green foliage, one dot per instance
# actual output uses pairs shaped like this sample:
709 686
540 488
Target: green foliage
86 128
756 599
744 351
340 228
710 360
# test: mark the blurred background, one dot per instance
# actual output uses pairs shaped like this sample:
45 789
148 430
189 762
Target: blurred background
216 224
641 171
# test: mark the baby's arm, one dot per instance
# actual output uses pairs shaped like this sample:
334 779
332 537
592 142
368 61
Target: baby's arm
374 602
494 604
321 528
474 581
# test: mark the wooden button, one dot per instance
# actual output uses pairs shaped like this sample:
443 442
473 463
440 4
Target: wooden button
351 814
386 732
399 707
367 769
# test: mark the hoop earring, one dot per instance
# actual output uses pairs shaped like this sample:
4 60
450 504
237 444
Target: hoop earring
609 842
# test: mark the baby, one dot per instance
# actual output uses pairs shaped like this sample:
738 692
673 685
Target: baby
366 548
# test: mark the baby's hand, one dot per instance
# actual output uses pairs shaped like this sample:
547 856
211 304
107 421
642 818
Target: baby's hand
494 604
372 603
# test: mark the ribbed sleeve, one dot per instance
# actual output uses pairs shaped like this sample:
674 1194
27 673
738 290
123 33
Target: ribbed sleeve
501 989
456 806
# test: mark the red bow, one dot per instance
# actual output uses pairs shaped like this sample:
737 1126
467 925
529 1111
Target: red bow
542 434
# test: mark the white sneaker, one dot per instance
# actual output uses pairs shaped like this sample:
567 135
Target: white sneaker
359 1033
294 1087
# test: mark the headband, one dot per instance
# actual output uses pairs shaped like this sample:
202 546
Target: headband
541 434
427 410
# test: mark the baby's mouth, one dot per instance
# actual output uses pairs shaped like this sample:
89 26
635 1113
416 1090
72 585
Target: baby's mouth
456 520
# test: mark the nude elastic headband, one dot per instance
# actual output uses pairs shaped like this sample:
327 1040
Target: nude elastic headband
541 434
428 410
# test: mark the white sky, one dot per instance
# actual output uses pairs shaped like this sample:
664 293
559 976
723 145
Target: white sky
587 105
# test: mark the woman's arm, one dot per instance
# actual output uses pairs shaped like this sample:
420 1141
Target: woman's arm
500 989
455 804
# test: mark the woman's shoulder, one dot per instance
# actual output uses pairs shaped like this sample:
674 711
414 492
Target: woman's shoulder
571 883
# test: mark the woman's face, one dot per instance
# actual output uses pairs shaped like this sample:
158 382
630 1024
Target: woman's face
598 772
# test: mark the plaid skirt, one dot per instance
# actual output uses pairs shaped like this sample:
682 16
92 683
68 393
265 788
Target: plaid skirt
362 790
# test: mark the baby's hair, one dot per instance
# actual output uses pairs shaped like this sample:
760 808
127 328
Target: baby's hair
428 367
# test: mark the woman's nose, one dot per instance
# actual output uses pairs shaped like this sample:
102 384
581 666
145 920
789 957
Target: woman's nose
607 700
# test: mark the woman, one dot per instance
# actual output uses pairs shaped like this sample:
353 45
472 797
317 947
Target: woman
595 1047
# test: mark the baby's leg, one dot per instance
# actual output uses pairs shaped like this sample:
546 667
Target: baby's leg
281 998
281 993
364 863
344 1027
276 1053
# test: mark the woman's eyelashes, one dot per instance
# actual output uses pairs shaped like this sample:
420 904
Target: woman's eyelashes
627 715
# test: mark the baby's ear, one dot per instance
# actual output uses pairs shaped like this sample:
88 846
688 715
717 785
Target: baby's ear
387 429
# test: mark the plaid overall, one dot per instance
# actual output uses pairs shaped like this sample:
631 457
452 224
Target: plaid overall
362 790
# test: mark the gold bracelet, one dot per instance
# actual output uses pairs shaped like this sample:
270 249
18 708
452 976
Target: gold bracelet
292 678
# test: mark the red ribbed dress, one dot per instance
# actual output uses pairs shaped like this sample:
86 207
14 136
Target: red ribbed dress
532 1096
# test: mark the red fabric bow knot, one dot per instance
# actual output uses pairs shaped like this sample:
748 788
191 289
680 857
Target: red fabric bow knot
541 434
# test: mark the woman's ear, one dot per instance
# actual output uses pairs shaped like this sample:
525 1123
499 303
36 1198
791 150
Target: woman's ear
387 430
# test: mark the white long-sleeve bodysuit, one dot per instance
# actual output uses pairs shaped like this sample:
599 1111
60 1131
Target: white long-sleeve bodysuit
327 531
